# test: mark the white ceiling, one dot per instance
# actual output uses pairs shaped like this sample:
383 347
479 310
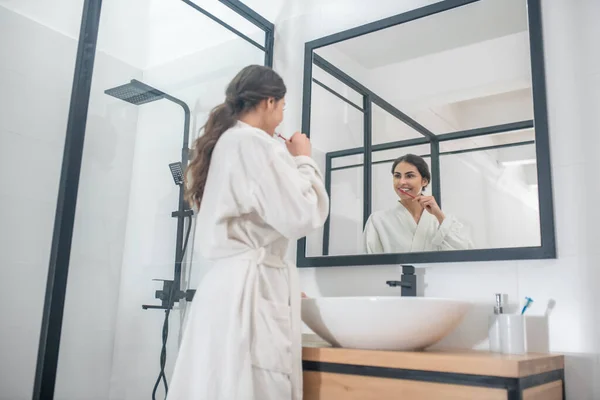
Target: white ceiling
143 33
177 30
63 16
462 26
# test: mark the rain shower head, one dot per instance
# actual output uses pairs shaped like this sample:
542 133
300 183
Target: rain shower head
136 93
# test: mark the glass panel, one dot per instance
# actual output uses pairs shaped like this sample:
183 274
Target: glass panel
36 77
233 19
346 217
387 128
336 126
176 19
421 150
125 236
498 139
337 86
347 161
494 195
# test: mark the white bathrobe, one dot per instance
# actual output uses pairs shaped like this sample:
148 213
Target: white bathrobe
242 338
396 231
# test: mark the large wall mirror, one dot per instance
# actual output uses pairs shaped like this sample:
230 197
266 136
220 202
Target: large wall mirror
431 129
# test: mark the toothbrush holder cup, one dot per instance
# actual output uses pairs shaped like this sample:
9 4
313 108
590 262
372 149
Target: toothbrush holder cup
512 333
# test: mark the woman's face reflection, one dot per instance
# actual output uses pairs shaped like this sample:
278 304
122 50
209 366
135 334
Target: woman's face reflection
408 181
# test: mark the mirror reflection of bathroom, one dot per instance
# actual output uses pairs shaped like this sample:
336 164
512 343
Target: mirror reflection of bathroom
450 98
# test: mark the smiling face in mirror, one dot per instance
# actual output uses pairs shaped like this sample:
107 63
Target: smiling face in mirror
410 176
406 227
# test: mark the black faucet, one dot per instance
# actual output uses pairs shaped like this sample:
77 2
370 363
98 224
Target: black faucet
408 282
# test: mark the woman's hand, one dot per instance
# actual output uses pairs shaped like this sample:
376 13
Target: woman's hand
429 204
304 296
298 145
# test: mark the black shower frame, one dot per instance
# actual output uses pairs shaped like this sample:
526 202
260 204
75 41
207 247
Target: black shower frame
546 250
56 286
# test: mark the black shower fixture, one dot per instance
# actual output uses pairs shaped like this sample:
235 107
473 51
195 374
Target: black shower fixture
139 93
136 93
177 172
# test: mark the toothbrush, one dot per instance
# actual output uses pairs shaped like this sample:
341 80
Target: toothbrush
408 194
528 301
279 135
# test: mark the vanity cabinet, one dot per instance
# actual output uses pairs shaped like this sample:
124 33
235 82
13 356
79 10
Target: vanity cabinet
347 374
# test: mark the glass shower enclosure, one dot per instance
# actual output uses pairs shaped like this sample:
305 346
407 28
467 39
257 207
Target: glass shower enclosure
101 101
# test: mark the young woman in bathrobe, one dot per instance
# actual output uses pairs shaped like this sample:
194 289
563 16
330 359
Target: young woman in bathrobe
253 194
416 223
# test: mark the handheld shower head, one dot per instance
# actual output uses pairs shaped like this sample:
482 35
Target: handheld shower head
177 172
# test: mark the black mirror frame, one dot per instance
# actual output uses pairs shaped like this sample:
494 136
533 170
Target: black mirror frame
546 250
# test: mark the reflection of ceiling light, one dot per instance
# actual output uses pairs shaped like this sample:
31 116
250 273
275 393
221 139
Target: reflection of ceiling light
518 162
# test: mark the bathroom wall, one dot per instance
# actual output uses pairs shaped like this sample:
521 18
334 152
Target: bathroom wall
566 284
30 160
36 76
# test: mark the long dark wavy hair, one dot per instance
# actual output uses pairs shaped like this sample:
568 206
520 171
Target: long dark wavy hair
250 86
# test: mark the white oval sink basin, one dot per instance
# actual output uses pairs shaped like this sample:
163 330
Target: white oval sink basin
382 323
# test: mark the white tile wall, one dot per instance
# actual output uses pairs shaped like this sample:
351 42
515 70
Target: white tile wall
33 114
21 310
35 79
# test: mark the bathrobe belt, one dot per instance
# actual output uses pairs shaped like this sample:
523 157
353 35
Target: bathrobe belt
261 257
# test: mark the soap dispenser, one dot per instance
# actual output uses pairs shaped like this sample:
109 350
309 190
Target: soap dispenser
494 326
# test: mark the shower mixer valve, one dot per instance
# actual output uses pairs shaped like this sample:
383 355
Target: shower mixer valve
164 294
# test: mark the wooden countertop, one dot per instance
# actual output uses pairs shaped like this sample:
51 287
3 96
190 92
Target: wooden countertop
453 361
